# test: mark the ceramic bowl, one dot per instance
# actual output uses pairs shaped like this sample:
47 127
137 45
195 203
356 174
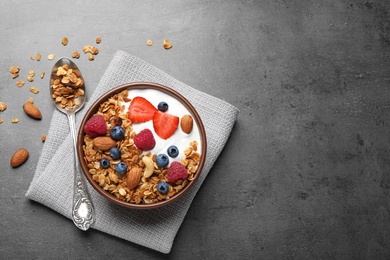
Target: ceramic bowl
118 192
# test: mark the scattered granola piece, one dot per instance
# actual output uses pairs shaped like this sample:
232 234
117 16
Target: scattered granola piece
34 90
98 40
42 74
76 55
3 106
50 56
30 100
32 57
149 42
30 79
31 73
167 45
43 139
14 120
65 41
91 49
14 69
91 57
20 83
1 121
38 57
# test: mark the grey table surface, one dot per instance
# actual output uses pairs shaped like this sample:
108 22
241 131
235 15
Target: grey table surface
305 172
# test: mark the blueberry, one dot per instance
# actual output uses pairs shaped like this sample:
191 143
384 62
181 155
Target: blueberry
163 187
117 133
105 163
173 151
162 106
121 168
162 160
115 153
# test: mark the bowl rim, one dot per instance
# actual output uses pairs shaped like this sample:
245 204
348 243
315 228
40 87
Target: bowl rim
94 108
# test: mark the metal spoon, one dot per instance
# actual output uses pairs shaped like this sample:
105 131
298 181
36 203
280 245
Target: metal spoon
82 209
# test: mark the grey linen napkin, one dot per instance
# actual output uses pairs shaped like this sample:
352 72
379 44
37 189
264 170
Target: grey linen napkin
52 184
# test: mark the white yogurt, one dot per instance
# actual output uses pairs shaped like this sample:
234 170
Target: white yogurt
180 139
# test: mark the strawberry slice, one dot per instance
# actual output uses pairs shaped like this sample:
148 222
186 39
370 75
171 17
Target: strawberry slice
165 124
141 110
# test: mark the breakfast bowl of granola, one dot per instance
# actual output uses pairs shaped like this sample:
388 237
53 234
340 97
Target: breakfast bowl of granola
141 145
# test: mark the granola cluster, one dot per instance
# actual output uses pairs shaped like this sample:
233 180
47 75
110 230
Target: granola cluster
146 191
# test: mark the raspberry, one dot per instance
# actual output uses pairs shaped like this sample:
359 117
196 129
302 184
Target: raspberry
176 171
95 126
144 140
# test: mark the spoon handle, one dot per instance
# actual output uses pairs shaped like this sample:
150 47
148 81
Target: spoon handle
82 209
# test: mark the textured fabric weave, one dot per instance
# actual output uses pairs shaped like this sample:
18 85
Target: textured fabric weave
52 184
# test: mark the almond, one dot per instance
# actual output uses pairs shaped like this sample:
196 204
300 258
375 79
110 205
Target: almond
133 177
32 110
19 157
186 124
103 143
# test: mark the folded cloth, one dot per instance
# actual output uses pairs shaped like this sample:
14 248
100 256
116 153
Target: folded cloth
52 184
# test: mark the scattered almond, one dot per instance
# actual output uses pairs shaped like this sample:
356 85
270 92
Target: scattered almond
103 143
19 157
32 110
186 123
133 177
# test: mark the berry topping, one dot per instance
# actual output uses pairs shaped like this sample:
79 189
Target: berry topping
115 153
163 187
144 140
117 133
141 110
164 124
105 163
176 172
162 160
162 106
173 151
95 126
121 168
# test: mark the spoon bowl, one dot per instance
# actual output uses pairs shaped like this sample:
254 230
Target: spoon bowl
67 90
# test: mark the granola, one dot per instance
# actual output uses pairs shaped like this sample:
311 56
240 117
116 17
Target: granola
67 87
146 191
